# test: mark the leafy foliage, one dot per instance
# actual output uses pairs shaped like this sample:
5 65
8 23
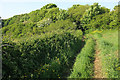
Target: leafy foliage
44 22
62 15
76 12
94 10
52 14
40 56
44 43
61 25
48 6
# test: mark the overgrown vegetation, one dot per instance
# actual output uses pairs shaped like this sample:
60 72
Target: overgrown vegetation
47 43
44 56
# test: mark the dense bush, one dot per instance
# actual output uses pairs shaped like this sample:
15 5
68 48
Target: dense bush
62 15
100 22
52 14
84 17
24 18
18 30
37 15
103 22
76 11
44 57
48 6
61 25
44 22
94 10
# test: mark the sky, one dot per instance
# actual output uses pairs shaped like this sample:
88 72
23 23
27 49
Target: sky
9 8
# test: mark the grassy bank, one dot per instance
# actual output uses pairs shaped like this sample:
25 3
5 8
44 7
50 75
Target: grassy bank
83 66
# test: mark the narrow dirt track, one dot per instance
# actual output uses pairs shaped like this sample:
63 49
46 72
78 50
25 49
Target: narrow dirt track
97 64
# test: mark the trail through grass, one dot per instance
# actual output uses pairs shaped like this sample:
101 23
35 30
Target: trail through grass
99 56
107 44
97 64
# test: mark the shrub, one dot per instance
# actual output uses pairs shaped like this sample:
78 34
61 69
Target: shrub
48 6
39 56
44 22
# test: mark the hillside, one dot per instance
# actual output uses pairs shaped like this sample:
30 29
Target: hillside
55 43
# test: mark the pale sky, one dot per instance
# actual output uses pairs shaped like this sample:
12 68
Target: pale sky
9 8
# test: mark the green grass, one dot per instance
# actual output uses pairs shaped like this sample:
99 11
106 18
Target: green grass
108 45
83 66
107 42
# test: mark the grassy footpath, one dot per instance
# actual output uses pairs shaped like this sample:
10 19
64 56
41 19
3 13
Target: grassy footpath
83 66
108 46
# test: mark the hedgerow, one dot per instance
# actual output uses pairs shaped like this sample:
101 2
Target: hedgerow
40 57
